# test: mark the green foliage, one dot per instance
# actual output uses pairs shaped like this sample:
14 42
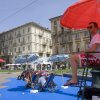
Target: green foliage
10 71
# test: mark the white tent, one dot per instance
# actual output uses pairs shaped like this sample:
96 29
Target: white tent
12 64
40 60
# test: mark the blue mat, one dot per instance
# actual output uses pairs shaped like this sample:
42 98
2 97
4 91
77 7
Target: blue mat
16 91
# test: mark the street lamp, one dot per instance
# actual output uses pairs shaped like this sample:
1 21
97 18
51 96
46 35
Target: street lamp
26 56
10 57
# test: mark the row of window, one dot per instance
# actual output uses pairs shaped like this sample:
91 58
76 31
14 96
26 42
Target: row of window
69 48
16 33
69 37
23 41
26 48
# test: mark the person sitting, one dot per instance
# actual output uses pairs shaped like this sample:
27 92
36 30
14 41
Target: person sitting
28 77
34 77
45 80
43 77
94 46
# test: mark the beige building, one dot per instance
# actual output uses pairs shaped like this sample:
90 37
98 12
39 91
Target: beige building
67 41
25 39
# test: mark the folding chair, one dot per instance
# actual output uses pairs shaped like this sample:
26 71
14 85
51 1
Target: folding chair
22 76
34 80
49 85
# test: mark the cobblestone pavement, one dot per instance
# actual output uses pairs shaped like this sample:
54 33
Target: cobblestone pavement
4 78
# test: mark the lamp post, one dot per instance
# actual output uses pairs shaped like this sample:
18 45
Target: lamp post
1 55
26 56
10 57
10 61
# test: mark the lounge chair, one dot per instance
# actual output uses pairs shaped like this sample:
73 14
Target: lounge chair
49 84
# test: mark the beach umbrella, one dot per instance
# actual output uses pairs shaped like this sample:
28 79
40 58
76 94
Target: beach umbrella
58 58
80 14
27 58
2 60
40 60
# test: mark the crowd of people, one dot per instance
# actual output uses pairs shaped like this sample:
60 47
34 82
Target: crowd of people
36 78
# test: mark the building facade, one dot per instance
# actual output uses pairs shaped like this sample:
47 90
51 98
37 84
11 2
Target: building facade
25 39
67 41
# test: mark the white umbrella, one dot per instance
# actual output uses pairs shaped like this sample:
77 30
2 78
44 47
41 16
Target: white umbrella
58 58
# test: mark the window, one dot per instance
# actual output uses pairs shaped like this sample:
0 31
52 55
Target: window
35 37
55 23
19 40
63 49
19 49
28 38
23 39
69 37
56 50
86 34
15 49
4 37
19 31
23 48
86 45
15 33
70 48
35 46
62 29
23 31
35 30
77 47
77 36
28 29
28 47
9 50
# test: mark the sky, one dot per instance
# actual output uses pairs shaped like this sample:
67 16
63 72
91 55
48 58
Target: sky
14 13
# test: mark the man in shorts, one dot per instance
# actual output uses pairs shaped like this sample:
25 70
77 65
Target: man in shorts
94 46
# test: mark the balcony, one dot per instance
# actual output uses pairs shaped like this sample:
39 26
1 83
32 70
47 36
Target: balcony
14 44
5 47
40 34
44 43
50 44
19 52
48 51
10 38
40 51
86 38
69 40
60 33
54 33
63 42
78 39
22 43
2 40
18 35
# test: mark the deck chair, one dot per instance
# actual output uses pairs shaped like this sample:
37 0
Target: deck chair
49 84
95 77
22 76
34 80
